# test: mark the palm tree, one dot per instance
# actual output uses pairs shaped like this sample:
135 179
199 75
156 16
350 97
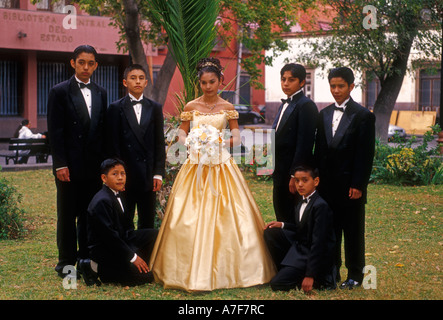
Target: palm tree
191 29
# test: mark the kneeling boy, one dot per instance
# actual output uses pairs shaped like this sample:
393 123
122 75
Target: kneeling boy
303 251
118 252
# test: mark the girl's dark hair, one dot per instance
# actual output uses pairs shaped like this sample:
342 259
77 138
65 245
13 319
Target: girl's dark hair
108 164
209 65
24 122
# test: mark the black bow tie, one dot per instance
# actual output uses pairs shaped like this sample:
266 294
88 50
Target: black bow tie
84 85
288 101
339 109
134 102
118 195
305 200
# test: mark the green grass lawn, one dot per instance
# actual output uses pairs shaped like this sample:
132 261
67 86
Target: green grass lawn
403 243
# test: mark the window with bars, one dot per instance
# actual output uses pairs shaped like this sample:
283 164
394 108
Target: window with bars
10 94
51 73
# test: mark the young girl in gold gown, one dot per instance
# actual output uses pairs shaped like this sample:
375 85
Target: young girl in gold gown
211 236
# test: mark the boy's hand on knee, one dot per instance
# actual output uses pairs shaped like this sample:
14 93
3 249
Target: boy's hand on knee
274 224
141 265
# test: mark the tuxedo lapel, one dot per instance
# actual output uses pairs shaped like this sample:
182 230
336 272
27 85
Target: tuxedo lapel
145 116
289 110
327 123
345 121
297 213
96 100
115 202
129 113
274 125
79 104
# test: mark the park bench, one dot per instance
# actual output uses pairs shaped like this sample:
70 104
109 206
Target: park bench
37 147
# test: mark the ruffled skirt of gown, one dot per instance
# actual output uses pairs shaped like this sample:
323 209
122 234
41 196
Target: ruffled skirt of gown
211 236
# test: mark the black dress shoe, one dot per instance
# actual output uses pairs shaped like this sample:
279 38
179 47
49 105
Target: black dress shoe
90 276
350 284
68 272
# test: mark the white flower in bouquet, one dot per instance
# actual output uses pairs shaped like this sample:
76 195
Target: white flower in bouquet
205 142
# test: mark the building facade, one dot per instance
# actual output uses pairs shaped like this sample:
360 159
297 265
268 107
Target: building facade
420 91
36 45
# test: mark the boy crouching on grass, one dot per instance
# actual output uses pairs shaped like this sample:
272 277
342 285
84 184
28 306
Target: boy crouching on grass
118 252
303 248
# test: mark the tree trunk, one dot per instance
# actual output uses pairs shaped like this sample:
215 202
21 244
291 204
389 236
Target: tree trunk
390 88
158 91
132 30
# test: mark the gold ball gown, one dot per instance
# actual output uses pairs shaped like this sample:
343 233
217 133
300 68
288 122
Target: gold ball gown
211 236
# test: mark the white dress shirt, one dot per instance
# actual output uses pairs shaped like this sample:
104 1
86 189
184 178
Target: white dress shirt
86 92
304 205
138 114
285 106
302 208
88 100
137 107
336 118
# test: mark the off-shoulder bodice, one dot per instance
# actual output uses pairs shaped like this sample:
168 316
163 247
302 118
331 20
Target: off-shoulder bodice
217 120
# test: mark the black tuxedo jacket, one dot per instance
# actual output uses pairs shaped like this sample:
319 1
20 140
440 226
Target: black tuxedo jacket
110 230
294 139
76 140
345 160
140 146
312 238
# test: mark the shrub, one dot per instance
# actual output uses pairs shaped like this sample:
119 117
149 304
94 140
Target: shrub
404 165
11 216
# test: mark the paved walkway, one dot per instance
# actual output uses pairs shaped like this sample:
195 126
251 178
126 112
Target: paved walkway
31 165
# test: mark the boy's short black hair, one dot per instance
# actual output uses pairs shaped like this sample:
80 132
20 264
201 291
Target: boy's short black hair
108 164
342 72
313 172
84 48
134 67
297 71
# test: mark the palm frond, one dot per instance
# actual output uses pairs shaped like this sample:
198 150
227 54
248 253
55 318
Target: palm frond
191 29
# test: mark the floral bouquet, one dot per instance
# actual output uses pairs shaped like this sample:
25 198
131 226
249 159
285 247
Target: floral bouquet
204 144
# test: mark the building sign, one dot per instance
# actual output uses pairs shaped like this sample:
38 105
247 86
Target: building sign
34 30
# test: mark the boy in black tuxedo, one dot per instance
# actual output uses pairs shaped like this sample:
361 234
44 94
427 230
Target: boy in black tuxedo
295 126
135 135
118 252
76 125
303 250
344 151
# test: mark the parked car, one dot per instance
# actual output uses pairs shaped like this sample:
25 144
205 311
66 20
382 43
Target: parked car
247 115
263 113
394 131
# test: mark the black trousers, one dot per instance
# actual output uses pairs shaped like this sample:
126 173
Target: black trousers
73 199
114 269
145 204
290 277
349 224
